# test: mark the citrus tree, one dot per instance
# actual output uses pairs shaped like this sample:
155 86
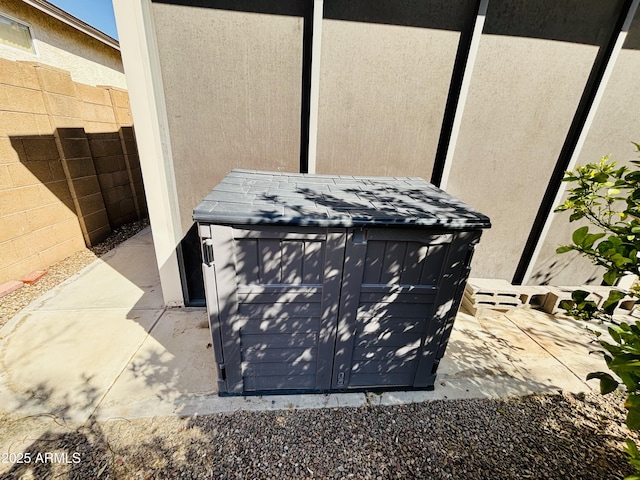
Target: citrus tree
608 197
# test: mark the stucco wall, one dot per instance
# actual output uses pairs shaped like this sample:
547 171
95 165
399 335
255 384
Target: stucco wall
532 68
615 126
385 73
233 95
59 45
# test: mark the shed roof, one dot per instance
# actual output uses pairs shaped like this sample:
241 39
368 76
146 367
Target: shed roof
256 197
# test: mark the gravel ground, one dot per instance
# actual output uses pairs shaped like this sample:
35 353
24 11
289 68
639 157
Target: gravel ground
11 304
538 437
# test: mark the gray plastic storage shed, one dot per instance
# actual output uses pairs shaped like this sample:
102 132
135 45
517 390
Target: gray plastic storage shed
318 283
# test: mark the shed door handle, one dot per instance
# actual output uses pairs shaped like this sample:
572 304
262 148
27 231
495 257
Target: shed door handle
207 251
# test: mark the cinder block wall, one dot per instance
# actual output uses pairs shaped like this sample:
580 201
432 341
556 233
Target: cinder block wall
69 171
107 121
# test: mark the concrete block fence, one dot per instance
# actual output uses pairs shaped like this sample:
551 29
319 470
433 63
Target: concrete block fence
69 168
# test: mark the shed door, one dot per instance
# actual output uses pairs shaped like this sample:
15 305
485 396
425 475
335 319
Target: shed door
278 295
390 289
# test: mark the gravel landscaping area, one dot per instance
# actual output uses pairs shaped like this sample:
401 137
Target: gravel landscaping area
11 304
539 437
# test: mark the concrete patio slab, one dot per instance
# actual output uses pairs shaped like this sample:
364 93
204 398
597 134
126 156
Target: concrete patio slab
532 363
125 277
174 363
480 364
470 351
567 340
63 362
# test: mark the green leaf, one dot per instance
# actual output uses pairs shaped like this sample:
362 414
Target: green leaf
605 246
607 383
614 334
612 301
631 448
628 380
622 363
616 242
610 277
591 239
579 295
579 235
632 401
633 419
576 216
564 249
633 476
620 260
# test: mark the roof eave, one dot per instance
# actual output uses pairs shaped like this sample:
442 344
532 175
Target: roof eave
74 22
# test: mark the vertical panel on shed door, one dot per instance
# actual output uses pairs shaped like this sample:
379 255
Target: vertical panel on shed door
287 282
390 283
